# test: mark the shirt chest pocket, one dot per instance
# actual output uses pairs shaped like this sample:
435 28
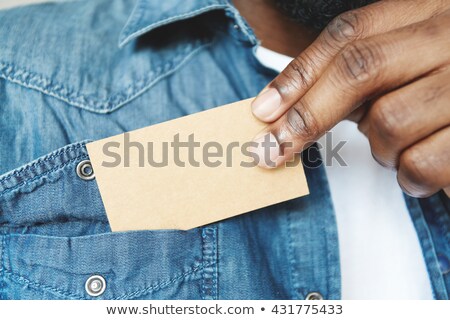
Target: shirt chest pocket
55 242
81 63
165 264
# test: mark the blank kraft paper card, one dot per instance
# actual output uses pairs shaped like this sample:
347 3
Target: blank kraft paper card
144 185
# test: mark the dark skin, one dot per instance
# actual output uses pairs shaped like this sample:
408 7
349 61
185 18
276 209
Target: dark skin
385 66
275 30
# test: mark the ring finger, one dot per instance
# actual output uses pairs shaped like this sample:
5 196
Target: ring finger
409 114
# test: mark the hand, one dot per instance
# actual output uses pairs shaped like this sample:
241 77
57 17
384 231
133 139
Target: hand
385 66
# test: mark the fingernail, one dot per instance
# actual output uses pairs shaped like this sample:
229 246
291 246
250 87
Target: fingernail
267 150
266 103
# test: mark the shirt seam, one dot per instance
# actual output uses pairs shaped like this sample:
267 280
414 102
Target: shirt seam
428 249
39 161
17 278
164 284
166 21
37 177
60 92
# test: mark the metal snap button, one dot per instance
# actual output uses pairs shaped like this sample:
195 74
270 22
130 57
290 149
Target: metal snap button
85 170
314 296
95 285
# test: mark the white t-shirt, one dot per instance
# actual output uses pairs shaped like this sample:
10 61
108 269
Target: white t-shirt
380 253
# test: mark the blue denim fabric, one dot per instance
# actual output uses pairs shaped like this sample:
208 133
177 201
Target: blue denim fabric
73 71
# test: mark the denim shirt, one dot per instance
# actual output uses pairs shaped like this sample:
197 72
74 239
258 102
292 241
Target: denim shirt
74 71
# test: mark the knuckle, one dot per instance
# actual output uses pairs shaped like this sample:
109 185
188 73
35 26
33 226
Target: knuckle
381 156
346 27
301 123
413 190
414 167
384 154
360 62
299 74
385 119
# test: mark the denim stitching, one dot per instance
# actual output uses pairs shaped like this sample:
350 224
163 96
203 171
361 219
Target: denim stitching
243 25
2 265
21 280
203 290
163 22
292 260
216 265
428 248
17 278
209 250
8 190
131 18
17 172
78 100
443 222
2 262
159 78
162 284
334 290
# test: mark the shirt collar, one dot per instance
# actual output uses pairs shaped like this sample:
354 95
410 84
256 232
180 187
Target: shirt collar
148 15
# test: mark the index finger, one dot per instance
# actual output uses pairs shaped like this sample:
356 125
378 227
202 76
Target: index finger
300 75
365 68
